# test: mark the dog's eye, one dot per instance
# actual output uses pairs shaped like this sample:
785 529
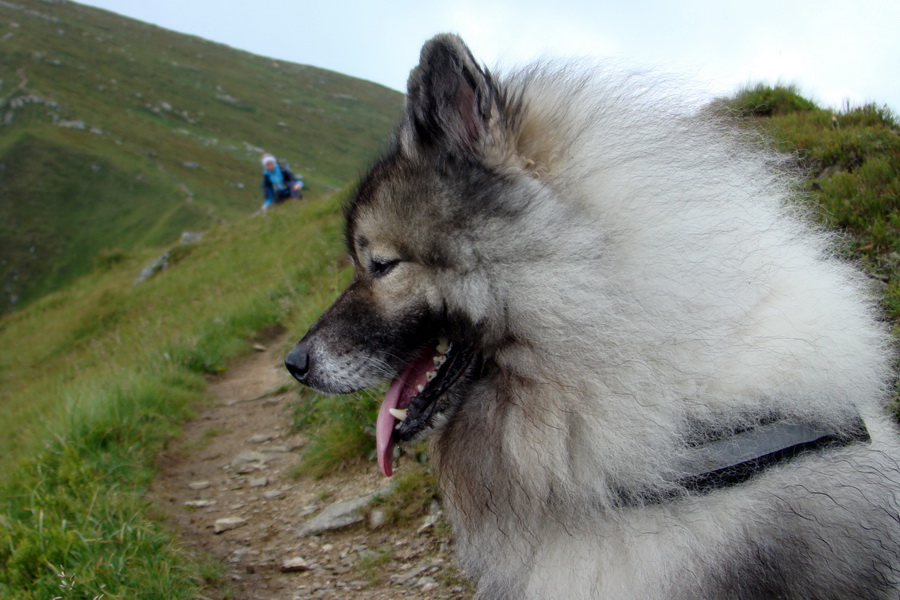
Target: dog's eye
380 268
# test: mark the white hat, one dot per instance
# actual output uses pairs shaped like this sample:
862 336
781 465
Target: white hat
267 158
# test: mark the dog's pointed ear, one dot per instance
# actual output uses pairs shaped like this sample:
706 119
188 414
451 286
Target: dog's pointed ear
451 100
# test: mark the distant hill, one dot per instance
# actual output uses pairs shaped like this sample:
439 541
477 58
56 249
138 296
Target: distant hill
117 135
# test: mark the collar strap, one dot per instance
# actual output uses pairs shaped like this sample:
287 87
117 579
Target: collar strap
735 459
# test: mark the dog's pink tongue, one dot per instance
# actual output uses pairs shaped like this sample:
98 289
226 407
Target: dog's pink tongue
384 428
398 395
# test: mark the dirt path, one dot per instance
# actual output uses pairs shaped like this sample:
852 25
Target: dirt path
231 468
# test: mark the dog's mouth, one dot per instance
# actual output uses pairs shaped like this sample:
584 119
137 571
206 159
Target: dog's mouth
412 402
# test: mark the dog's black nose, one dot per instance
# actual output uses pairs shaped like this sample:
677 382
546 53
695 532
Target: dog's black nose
297 361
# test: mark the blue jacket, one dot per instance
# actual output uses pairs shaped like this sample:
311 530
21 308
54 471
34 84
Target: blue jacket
269 192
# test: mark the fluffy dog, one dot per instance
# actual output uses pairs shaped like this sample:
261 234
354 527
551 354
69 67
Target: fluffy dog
641 372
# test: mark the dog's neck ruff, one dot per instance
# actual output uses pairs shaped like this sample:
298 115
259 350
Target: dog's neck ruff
736 458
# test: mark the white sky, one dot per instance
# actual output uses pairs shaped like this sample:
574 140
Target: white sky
833 51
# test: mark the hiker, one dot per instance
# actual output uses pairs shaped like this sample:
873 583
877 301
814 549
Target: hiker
278 183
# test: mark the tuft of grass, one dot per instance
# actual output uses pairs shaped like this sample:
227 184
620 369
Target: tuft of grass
412 492
762 100
340 430
371 564
76 505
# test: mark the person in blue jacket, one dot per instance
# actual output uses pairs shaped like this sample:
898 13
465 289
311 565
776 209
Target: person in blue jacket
278 183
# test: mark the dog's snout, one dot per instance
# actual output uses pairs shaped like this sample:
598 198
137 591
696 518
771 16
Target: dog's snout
297 361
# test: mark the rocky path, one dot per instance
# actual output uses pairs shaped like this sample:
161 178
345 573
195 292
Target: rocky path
227 490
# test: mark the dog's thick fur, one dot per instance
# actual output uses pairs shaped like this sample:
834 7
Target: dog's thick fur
629 281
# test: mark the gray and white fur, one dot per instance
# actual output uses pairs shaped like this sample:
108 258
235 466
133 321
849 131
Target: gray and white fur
634 277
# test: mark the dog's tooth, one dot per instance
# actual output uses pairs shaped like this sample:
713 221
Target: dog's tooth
420 388
398 413
443 345
430 375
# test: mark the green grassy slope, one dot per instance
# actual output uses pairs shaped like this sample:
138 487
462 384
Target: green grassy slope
96 377
115 134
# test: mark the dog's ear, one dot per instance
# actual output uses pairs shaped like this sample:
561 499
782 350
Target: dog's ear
451 100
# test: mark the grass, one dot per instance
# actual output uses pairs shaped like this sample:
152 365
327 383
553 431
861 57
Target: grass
763 100
76 506
372 562
412 492
341 430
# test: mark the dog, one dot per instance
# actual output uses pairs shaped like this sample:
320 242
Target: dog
641 371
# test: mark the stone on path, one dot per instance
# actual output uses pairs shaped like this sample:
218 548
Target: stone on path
408 576
247 462
337 516
229 523
295 565
428 584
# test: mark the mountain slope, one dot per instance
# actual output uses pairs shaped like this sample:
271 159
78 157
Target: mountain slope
117 135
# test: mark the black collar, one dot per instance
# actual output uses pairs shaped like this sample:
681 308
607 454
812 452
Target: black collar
734 459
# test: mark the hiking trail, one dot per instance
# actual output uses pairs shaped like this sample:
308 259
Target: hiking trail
226 489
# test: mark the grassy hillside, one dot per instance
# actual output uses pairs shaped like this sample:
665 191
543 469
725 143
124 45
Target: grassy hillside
116 135
94 378
98 376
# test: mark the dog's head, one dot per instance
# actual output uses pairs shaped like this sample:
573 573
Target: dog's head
424 309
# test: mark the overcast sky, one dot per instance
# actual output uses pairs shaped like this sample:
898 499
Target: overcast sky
834 51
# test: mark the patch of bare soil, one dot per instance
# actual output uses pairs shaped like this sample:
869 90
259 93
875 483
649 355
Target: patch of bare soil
226 489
